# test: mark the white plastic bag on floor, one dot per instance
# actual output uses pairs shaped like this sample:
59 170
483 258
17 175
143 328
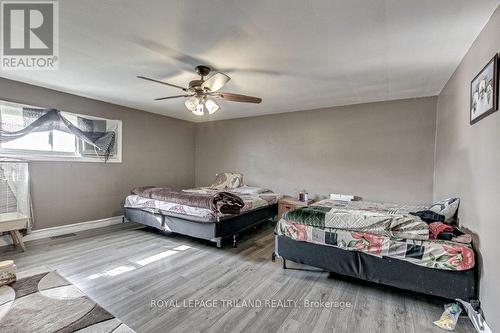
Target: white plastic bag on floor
449 318
475 317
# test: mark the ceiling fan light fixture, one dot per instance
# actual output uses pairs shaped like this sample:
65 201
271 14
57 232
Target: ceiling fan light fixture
191 103
211 106
199 110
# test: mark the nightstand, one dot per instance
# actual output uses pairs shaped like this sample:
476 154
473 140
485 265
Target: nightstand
287 204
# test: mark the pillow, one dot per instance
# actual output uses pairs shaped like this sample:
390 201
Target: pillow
227 180
441 211
250 190
447 208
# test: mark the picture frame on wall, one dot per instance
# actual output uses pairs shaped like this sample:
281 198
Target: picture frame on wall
484 92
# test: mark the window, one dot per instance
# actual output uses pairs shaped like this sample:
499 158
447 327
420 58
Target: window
55 145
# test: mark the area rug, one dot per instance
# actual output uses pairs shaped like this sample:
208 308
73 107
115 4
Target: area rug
48 303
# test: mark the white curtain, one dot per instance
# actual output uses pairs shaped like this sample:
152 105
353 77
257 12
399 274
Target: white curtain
16 177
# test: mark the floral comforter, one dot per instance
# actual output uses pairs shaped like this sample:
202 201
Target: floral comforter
437 254
361 216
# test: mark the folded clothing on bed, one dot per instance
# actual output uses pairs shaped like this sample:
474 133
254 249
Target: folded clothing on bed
222 202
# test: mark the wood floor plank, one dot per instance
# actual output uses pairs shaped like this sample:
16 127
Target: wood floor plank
125 267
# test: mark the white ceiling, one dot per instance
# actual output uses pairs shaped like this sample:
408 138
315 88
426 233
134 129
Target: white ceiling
295 54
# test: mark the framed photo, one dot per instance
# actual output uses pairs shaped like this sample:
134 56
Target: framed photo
484 92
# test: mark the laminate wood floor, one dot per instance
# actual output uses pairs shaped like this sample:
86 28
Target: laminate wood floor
126 267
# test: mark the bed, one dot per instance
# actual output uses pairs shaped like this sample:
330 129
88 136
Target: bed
382 243
193 212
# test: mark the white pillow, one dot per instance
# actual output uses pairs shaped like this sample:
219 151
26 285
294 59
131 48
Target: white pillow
227 180
448 208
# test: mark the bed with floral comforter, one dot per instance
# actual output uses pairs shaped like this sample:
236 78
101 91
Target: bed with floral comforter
378 233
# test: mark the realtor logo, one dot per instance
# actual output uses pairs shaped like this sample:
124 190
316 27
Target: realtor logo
30 32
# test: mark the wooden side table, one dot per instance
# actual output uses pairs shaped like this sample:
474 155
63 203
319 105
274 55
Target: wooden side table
13 222
288 203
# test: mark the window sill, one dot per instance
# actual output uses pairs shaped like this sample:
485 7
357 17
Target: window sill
55 158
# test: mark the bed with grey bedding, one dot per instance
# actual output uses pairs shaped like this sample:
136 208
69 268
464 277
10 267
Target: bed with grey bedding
210 213
227 227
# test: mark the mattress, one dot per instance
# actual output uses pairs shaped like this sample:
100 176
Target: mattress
437 254
252 199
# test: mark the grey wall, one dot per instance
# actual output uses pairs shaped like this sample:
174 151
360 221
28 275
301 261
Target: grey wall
468 163
386 147
380 151
156 150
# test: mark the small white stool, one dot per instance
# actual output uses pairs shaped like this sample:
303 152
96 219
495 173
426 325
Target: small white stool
13 222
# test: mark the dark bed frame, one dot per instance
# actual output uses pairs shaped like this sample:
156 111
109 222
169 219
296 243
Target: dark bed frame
388 271
216 231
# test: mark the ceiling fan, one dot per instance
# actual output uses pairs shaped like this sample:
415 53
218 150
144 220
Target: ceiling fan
202 93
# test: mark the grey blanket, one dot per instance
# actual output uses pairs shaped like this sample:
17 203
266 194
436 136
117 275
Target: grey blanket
222 202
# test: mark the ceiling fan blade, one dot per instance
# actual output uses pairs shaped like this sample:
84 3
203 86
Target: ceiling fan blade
184 61
169 97
215 82
161 82
238 98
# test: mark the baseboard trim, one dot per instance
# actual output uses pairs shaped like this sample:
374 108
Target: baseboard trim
64 229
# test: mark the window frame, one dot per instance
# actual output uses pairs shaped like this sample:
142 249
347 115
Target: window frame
57 156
